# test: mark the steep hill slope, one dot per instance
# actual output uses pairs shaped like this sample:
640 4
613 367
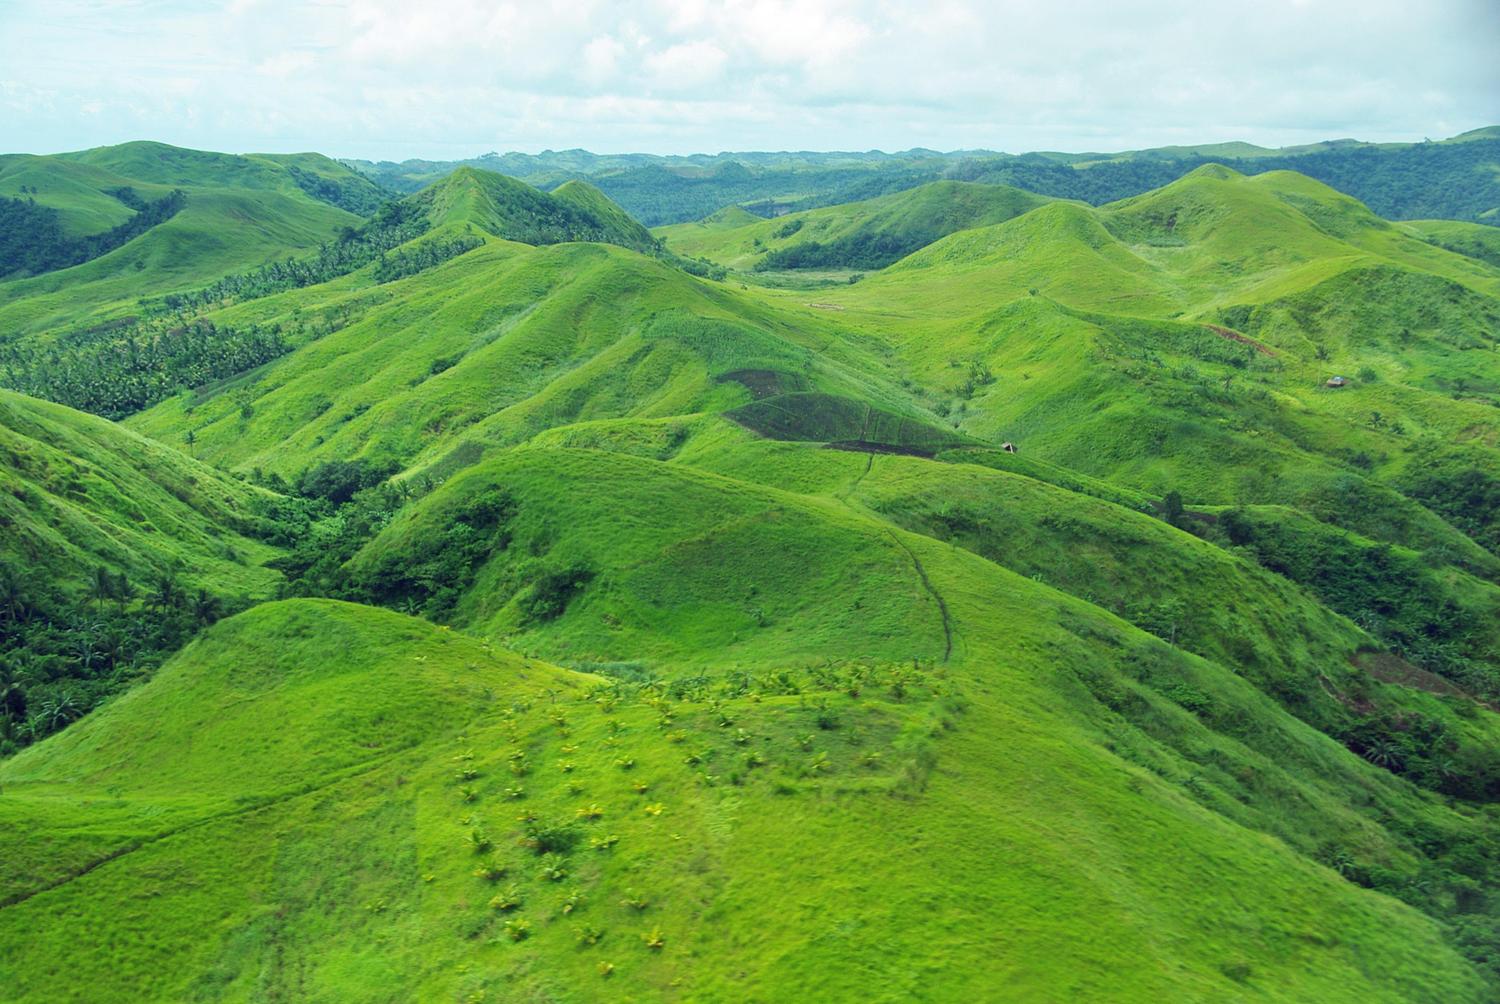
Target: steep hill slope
114 550
498 344
81 493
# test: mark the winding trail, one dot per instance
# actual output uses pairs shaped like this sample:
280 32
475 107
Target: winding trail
358 770
931 591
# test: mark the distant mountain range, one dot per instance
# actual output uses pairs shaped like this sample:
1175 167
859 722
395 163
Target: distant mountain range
1457 178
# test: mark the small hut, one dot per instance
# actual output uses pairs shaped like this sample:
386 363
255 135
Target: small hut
1336 381
1008 447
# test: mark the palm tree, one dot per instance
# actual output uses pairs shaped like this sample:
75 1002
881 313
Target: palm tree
12 599
124 591
56 712
165 594
103 586
205 607
1385 753
12 696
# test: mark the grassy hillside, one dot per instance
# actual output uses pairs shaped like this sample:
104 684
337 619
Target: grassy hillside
1472 239
81 492
860 235
657 637
625 865
237 213
516 211
115 550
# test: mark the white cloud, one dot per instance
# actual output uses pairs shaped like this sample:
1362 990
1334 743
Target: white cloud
687 65
285 64
443 77
601 59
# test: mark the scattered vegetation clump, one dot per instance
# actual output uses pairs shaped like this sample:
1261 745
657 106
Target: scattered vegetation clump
394 224
552 590
405 262
1390 592
1462 489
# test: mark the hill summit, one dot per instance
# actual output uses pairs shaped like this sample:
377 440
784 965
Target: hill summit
513 210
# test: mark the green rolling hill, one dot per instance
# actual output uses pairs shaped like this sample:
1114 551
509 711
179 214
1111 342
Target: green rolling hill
236 212
862 235
516 211
604 631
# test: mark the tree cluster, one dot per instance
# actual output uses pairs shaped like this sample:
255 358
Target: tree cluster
62 654
114 372
32 240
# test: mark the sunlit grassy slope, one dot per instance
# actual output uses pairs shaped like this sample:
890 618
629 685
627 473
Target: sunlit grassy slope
78 493
334 854
770 676
1472 239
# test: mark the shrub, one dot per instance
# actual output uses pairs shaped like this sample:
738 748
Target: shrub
491 871
552 591
506 900
824 715
549 838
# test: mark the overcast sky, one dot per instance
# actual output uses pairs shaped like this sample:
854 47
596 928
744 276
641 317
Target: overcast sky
449 78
